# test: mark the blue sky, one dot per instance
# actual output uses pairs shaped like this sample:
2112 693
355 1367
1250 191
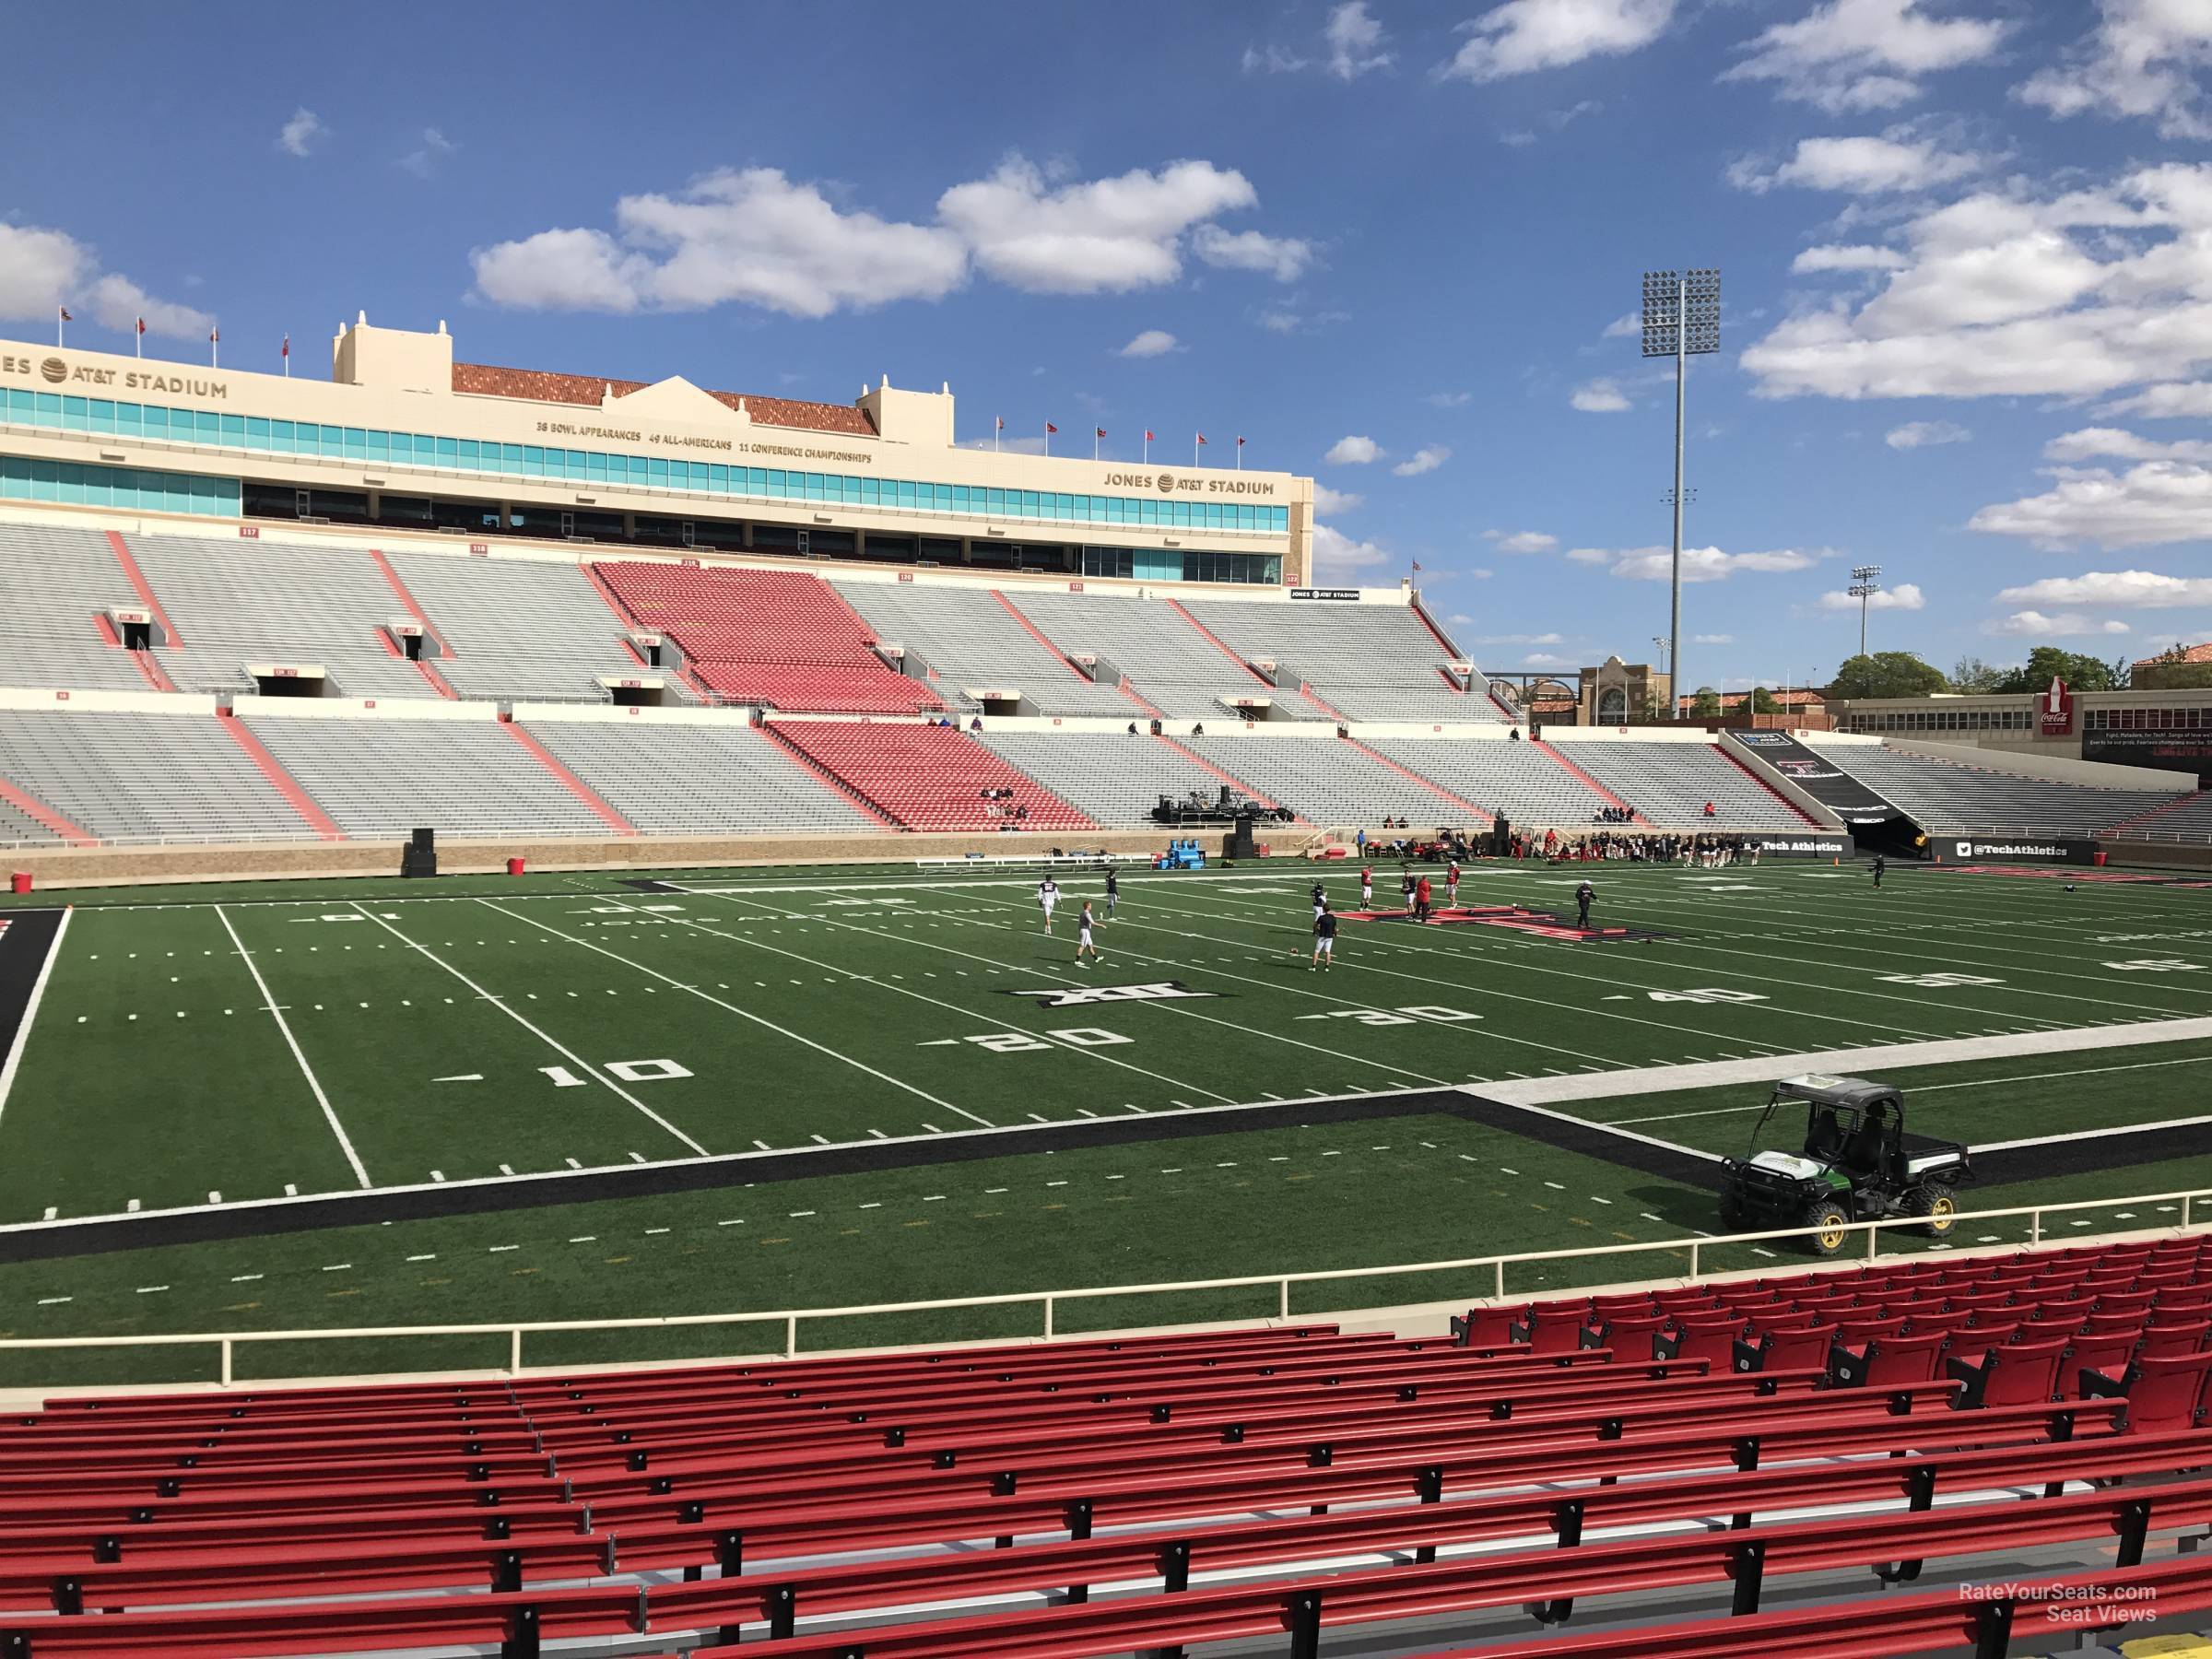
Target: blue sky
1967 248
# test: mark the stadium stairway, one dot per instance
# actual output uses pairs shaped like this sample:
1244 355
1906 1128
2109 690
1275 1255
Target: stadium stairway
926 777
1570 1455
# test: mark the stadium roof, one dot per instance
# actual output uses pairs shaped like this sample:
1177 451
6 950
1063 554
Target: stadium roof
2190 653
485 379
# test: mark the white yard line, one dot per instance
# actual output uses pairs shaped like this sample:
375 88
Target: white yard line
883 1077
1921 1089
30 1009
314 1085
563 1051
1770 1069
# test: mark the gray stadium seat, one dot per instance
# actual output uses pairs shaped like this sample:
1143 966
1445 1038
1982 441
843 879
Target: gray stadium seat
724 779
145 776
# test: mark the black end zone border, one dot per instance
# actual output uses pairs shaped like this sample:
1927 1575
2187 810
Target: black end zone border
24 947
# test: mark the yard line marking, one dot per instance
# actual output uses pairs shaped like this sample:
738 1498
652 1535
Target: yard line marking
567 1054
314 1085
743 1014
48 1301
30 1009
245 1279
53 1210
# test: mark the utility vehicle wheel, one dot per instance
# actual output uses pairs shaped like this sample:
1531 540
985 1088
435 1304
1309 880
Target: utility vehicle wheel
1828 1219
1938 1204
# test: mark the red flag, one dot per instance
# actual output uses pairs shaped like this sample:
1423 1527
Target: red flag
1050 427
1098 432
287 346
1240 443
142 326
65 316
1147 434
1202 437
1002 423
214 336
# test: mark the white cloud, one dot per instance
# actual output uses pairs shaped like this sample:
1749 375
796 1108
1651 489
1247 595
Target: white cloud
43 269
303 134
1334 502
2035 625
1282 257
1863 54
1518 638
1153 341
1523 36
1599 397
1864 165
2177 400
2152 504
1626 326
1922 434
2090 442
2078 292
1274 60
1353 451
1699 564
1712 639
1905 596
1355 41
1834 257
1428 458
1545 659
1450 400
423 159
755 237
1336 556
2123 589
1521 541
2143 59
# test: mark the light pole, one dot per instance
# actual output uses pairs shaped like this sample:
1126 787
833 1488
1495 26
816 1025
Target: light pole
1681 320
1864 587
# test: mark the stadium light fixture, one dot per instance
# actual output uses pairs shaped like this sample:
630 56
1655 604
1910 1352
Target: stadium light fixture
1864 586
1681 320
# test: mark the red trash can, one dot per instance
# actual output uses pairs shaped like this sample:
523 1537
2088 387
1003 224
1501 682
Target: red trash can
21 881
2096 858
515 866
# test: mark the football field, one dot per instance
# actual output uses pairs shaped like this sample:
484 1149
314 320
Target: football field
818 1087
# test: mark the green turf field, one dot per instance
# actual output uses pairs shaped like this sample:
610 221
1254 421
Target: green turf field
206 1048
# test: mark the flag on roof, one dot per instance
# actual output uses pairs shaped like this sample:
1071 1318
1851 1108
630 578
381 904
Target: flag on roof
1202 437
65 316
1050 427
1098 432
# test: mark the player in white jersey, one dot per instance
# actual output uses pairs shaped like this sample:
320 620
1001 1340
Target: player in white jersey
1048 895
1083 939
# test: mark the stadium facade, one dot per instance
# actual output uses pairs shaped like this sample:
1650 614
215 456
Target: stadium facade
404 436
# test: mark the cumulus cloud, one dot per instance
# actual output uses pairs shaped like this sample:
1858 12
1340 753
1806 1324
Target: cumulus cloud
1837 257
1450 400
1599 397
1864 55
1921 434
1865 165
2091 442
2176 401
1699 564
303 134
41 269
1712 639
1521 541
1354 41
1336 556
1629 326
1428 458
2035 625
2120 590
2143 60
2066 292
2152 504
1334 501
1153 341
1524 36
423 159
1518 638
1905 596
753 236
1353 451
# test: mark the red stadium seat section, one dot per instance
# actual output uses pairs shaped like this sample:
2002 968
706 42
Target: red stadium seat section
1251 1484
780 637
927 777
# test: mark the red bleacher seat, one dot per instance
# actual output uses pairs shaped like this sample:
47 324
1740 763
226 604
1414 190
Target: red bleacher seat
1884 1362
2013 1375
783 638
2161 1394
927 777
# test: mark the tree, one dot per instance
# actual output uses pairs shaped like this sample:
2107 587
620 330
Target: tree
1762 702
1706 704
1886 673
2082 672
1971 675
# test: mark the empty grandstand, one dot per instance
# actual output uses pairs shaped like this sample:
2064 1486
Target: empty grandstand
928 777
1674 783
1115 780
1336 781
58 586
1525 781
148 777
1946 796
723 779
525 628
1364 662
976 648
1149 646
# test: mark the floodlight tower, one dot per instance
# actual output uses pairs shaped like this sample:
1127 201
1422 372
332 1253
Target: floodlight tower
1864 587
1681 320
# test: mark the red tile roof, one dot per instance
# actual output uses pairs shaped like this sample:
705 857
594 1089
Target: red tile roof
540 385
2194 653
1783 699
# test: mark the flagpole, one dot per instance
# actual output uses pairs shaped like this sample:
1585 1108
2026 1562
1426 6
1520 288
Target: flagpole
1148 446
61 314
1094 444
998 435
1196 439
138 339
1048 437
215 349
1239 455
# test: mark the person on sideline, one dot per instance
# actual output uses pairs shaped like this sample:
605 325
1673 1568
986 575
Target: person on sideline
1084 944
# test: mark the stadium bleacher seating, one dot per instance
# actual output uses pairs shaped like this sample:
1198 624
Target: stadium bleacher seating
1114 781
1167 663
2189 818
781 638
146 777
928 777
1671 782
1521 779
1333 782
384 777
1257 1482
54 584
1378 661
722 779
1944 797
971 640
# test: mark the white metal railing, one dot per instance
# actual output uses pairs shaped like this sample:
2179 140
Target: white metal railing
1050 1302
